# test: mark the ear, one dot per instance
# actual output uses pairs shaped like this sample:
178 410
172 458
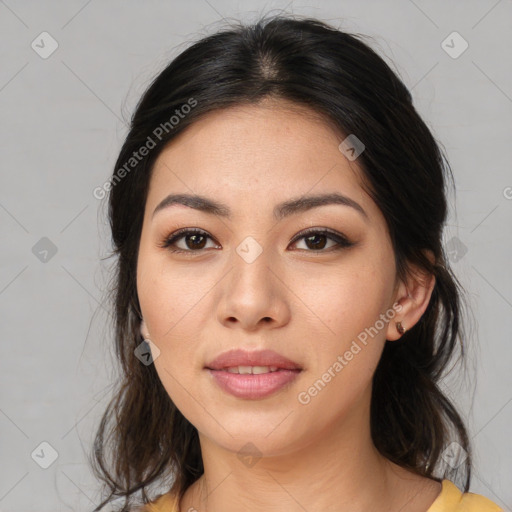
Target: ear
143 330
413 296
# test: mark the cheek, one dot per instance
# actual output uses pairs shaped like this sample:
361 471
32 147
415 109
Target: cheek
343 303
170 295
350 332
175 304
349 341
175 316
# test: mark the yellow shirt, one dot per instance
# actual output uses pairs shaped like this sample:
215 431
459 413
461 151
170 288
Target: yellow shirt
449 500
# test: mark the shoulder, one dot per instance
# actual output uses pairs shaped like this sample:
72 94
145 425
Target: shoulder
164 503
452 499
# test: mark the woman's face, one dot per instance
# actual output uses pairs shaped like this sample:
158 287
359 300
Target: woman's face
256 280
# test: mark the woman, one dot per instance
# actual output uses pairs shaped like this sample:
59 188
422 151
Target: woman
277 211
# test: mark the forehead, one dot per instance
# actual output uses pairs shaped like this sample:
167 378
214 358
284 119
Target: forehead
257 153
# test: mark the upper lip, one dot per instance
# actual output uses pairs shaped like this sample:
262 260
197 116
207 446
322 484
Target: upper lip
240 357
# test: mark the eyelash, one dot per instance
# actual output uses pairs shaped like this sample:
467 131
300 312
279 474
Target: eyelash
341 241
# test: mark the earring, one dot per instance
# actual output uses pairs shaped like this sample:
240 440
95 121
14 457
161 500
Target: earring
400 328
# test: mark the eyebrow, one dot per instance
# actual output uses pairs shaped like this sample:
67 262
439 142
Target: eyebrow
282 210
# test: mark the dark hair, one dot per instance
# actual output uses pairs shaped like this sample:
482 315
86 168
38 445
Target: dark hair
143 439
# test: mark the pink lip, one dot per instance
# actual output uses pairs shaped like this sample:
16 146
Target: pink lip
252 387
257 358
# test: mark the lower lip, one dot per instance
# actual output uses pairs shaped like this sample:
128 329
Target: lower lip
250 386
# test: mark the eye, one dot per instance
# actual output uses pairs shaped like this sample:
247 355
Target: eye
194 240
315 239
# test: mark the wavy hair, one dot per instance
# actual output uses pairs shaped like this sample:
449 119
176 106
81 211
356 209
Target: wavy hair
143 440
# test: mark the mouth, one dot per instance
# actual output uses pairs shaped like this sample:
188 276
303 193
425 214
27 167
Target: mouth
252 375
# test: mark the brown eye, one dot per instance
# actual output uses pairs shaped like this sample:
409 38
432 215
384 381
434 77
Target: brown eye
194 240
316 240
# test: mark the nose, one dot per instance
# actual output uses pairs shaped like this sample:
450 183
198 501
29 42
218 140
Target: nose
254 293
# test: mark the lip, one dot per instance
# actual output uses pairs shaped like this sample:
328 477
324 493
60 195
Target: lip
253 387
249 386
240 357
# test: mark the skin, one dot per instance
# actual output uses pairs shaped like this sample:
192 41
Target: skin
306 304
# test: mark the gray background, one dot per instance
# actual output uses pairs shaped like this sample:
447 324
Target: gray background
63 122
